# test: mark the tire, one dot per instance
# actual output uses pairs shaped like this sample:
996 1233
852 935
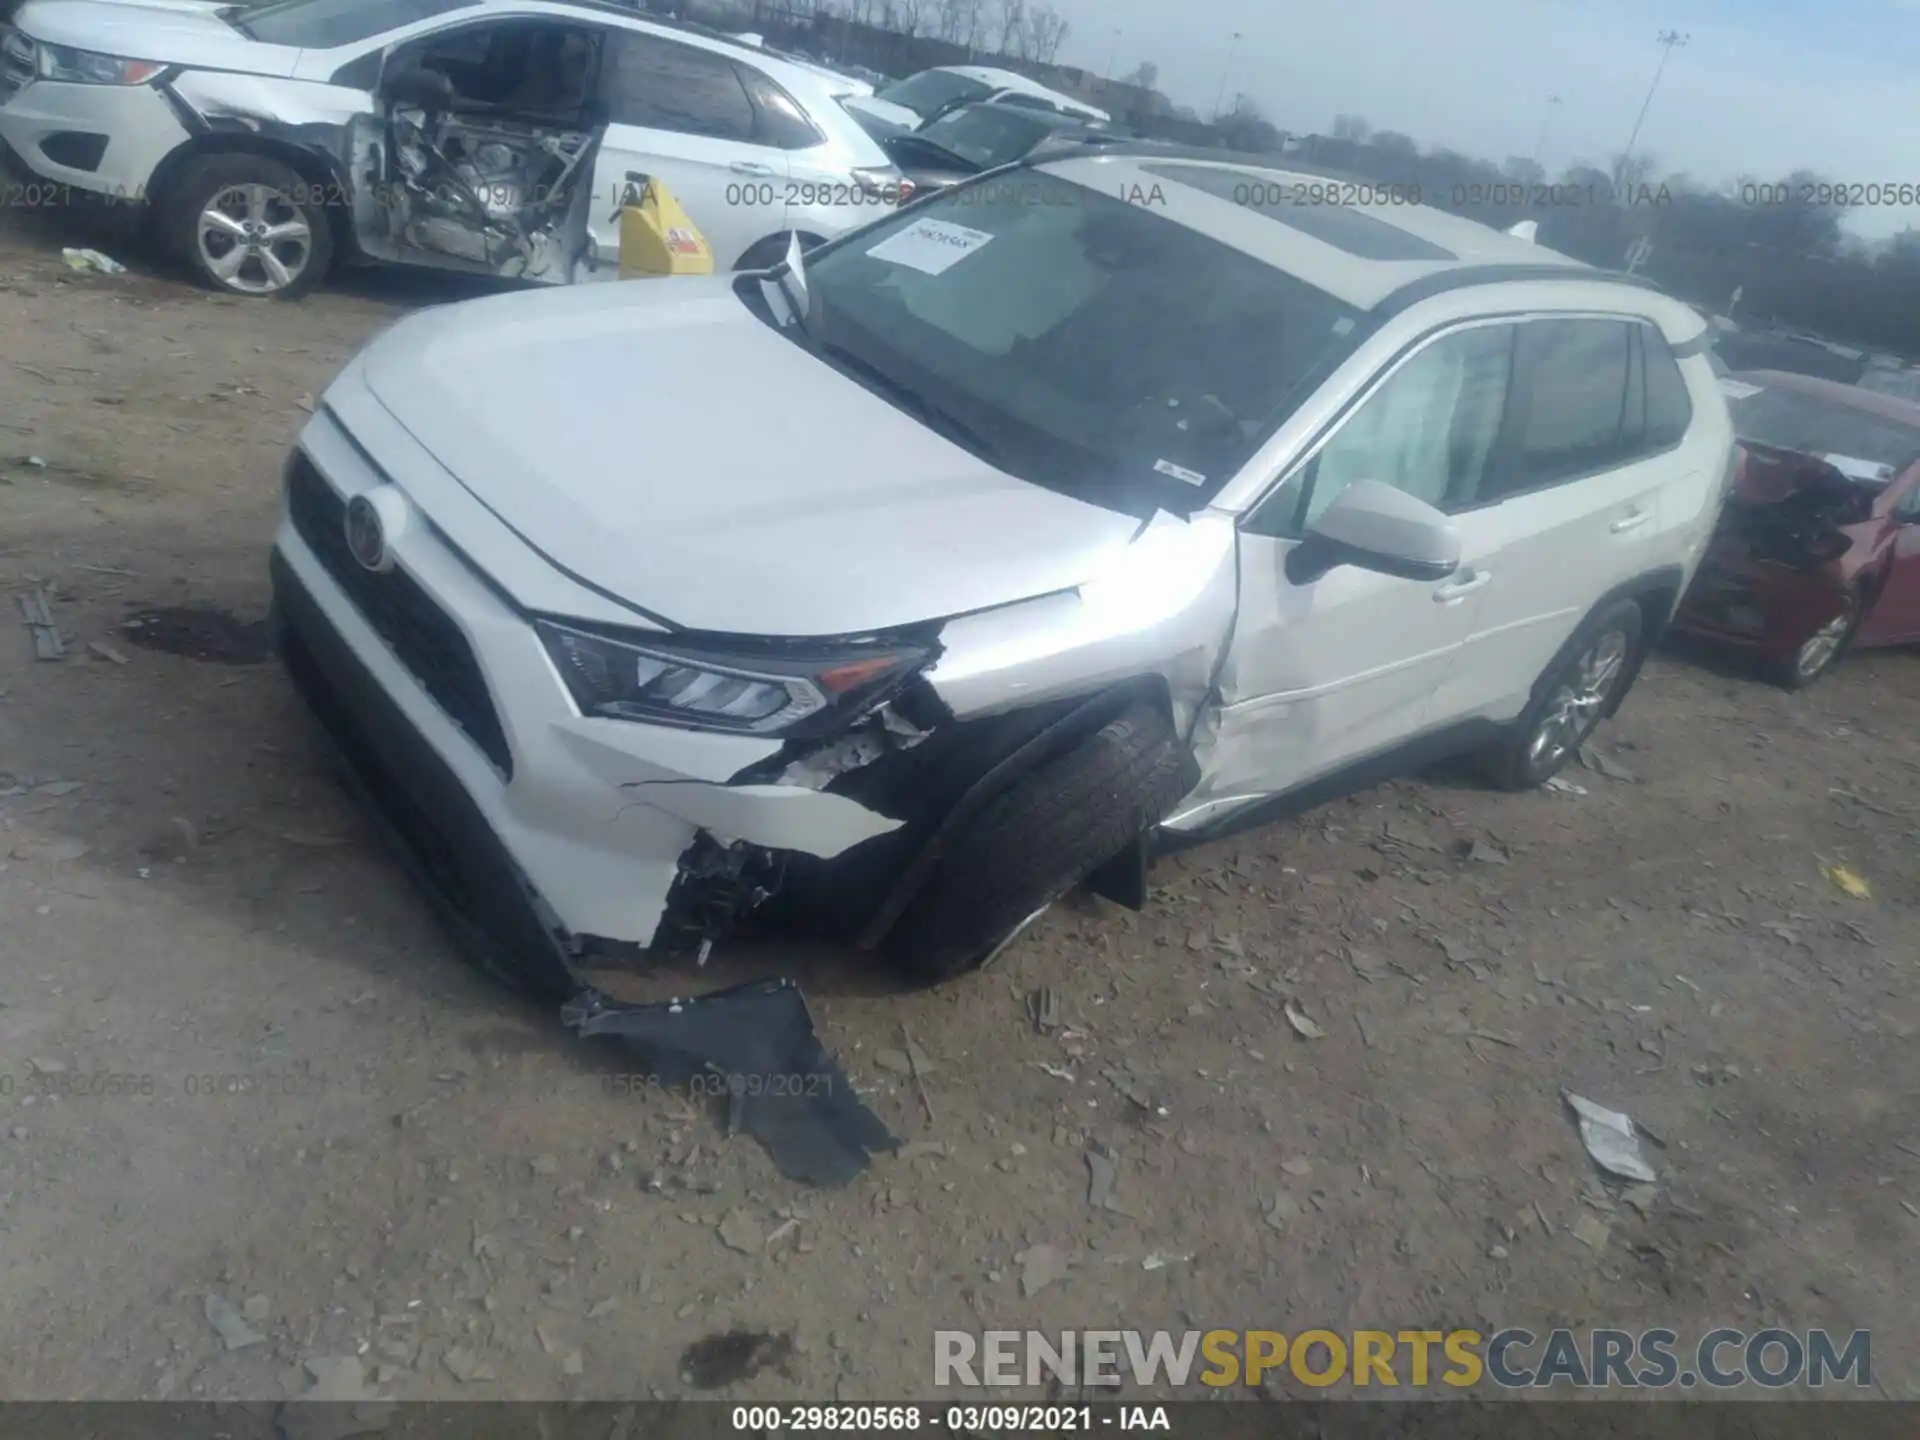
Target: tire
1578 690
254 191
1820 650
1049 831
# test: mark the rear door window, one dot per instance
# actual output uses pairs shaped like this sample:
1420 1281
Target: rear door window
1574 414
660 85
778 119
1668 405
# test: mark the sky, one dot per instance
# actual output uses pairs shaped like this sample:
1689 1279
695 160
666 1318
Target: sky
1762 88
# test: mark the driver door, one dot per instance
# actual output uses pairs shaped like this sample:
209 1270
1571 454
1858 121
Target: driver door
1324 675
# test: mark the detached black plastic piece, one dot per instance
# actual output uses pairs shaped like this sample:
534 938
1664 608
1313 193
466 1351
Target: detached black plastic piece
1123 879
782 1086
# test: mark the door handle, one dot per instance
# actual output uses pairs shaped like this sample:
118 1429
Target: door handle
1466 585
750 167
1632 520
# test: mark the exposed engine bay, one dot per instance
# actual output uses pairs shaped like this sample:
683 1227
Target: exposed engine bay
498 194
1790 507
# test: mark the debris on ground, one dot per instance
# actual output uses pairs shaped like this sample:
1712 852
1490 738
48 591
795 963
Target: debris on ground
52 852
1040 1266
717 1361
232 1327
92 261
1043 1009
814 1127
467 1367
1591 1231
108 651
1560 785
338 1405
740 1231
1601 763
1610 1139
1303 1026
1281 1211
1478 852
37 614
1848 883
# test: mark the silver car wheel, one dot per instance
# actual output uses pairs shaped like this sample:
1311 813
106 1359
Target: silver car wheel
1577 701
1823 645
254 239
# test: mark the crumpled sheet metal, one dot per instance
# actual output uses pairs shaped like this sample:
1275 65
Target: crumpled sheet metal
784 1089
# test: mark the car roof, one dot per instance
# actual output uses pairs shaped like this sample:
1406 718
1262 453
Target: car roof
778 63
1012 80
1871 402
1429 247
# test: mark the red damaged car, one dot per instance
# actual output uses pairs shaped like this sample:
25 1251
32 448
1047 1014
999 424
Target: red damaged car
1819 545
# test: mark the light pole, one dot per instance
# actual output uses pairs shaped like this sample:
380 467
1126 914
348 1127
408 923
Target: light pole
1668 40
1220 94
1113 52
1540 145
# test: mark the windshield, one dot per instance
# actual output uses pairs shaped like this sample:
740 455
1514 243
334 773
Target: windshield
323 24
1077 341
988 137
1794 420
1902 384
933 90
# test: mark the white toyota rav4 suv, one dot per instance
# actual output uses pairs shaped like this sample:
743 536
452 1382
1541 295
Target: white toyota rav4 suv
1092 505
485 136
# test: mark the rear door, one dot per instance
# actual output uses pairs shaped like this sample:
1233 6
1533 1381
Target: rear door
685 115
1571 510
1323 675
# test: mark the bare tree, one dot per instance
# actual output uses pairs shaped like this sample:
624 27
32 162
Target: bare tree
1046 29
1394 143
911 17
1524 169
1351 127
1012 26
1146 75
1244 127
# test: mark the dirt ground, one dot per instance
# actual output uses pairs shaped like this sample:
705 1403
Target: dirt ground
431 1176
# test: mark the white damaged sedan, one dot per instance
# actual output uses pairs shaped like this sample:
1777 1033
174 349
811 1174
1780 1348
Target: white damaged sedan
1090 505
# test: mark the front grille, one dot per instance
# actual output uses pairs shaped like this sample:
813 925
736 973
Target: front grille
421 635
16 62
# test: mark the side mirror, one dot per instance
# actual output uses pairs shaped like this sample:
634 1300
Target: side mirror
1373 526
428 89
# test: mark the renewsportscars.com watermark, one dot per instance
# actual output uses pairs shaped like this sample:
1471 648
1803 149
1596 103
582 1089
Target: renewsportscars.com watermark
1509 1359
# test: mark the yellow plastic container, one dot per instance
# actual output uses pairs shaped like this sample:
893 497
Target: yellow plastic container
658 238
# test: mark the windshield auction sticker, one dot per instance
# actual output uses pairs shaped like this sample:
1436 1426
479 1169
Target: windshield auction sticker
930 246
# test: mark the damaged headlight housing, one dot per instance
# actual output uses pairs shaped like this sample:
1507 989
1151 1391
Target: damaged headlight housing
85 67
759 694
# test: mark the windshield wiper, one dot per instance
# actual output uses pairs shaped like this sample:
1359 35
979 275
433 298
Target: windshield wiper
930 414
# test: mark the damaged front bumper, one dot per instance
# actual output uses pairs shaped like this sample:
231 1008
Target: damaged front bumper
564 829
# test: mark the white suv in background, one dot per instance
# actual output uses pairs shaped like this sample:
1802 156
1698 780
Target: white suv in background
910 103
980 550
488 136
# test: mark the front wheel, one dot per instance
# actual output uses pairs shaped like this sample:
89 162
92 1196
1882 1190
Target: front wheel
1819 650
249 226
1575 696
1049 831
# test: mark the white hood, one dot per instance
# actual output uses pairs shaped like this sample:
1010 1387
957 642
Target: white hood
658 441
169 32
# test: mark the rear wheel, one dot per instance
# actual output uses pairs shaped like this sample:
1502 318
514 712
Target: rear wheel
1049 831
1818 652
1577 694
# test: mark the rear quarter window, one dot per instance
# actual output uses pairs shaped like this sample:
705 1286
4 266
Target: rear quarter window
1669 407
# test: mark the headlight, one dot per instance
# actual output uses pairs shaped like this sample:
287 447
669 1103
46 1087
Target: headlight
84 67
668 684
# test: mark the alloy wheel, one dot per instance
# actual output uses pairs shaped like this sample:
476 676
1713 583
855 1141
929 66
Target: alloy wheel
1823 645
1578 699
254 239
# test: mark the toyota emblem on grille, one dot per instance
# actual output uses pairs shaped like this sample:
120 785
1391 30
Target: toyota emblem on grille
367 534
